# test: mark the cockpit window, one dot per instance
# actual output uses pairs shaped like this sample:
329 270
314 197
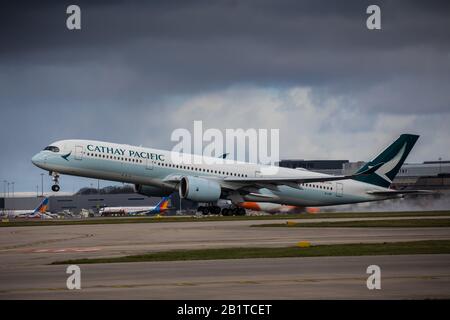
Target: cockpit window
52 148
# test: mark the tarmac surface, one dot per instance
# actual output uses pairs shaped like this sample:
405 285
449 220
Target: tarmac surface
25 253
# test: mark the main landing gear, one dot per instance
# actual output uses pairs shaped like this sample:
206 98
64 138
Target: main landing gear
232 211
205 210
55 179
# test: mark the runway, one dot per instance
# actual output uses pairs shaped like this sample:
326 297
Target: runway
402 277
25 253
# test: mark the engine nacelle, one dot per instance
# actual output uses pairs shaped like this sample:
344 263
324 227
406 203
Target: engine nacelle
151 191
199 189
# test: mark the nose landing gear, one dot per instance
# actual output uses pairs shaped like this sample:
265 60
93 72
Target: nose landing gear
55 179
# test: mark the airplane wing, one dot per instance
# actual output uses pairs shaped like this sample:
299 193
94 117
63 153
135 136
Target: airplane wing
291 181
235 183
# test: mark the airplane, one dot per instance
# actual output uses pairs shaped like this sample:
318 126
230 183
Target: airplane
161 206
204 179
40 212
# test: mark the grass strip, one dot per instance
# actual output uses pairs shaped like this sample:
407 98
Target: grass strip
360 249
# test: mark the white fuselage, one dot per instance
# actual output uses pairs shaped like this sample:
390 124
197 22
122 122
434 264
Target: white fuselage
153 167
127 210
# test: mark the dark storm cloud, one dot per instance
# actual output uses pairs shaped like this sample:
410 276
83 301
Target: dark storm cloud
133 59
196 45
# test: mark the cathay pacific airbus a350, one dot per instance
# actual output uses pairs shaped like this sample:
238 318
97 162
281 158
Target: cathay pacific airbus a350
154 173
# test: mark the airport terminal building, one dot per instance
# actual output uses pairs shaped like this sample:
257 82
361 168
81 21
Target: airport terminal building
61 201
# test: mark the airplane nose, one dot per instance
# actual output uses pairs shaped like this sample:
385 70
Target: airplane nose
37 159
34 159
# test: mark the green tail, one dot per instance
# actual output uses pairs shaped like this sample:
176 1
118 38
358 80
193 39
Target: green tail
389 162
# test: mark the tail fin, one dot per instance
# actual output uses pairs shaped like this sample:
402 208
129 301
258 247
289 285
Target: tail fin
388 162
162 205
41 208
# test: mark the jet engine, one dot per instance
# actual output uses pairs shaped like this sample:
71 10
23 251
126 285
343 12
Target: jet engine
199 189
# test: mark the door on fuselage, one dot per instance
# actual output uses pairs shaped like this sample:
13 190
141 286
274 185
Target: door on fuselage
339 189
78 153
148 167
149 164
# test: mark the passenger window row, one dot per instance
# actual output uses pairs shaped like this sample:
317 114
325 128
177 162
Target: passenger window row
162 164
177 166
317 186
114 157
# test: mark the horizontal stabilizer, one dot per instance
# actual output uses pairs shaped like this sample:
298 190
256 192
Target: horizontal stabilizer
397 192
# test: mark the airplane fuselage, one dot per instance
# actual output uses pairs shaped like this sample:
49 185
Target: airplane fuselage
153 167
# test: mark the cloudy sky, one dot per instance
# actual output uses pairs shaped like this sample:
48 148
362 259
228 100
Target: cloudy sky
135 72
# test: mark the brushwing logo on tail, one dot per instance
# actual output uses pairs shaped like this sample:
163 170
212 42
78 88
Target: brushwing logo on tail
390 165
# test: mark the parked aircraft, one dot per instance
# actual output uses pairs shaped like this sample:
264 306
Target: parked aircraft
160 207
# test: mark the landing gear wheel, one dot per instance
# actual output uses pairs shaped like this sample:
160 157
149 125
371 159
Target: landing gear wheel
241 212
55 179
